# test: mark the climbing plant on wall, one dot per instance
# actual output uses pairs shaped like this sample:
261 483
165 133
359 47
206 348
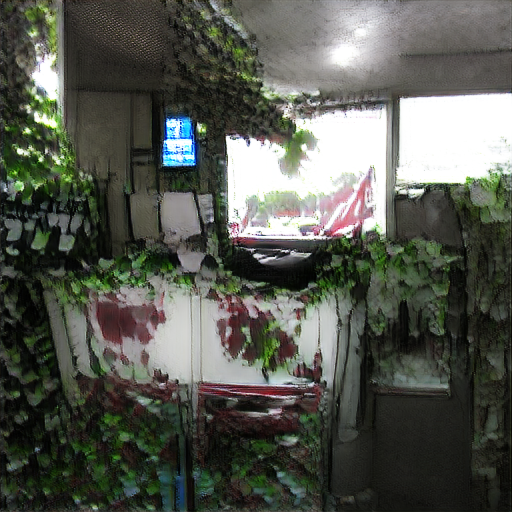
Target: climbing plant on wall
484 206
45 219
110 450
48 208
273 472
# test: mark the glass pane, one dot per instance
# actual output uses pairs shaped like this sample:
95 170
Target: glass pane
446 139
265 201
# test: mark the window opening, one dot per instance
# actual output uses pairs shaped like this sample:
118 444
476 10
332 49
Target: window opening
340 183
447 139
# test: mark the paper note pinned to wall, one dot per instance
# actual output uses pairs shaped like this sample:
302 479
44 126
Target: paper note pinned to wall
180 219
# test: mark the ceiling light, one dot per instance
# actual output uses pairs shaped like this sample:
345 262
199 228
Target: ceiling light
343 55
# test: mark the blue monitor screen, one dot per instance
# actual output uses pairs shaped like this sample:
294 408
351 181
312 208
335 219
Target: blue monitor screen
179 148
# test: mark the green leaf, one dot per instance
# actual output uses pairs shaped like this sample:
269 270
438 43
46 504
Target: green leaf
76 287
485 215
30 341
139 261
66 242
12 395
16 463
26 195
105 264
111 419
15 228
126 436
44 459
130 487
29 377
441 289
50 423
12 251
153 487
21 417
36 397
40 240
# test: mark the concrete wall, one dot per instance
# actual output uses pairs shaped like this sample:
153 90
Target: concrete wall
109 131
113 134
431 216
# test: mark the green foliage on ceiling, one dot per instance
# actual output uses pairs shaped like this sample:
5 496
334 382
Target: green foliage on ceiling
215 73
295 152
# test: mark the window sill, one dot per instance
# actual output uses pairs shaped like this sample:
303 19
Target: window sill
430 391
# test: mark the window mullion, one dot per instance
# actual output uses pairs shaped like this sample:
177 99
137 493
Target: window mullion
392 148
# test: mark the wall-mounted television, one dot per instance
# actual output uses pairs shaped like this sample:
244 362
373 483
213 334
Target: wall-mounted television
179 142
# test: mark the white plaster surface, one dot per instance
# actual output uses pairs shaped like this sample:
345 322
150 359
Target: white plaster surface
190 260
141 114
172 351
206 208
216 367
328 338
350 375
102 139
169 349
62 346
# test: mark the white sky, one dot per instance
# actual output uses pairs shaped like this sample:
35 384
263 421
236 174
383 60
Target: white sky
347 143
46 78
447 139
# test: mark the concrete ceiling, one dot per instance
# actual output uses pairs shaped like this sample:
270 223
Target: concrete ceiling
117 45
333 46
353 46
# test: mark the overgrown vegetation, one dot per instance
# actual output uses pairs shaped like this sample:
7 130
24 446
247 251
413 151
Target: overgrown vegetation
113 449
279 472
120 450
34 146
485 209
215 73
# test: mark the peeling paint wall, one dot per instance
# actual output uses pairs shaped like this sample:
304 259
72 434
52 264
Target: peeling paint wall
133 336
177 333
